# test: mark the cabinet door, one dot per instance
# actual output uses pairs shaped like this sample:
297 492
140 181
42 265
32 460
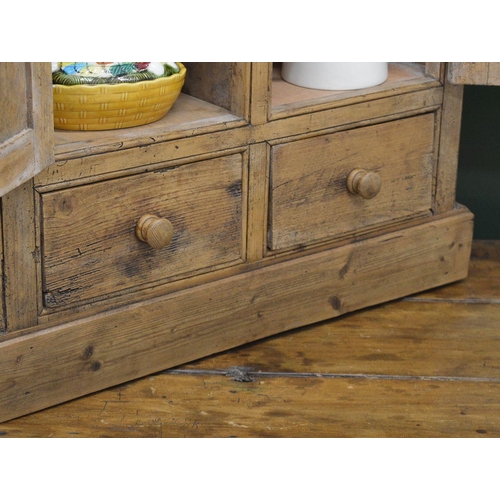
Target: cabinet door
474 73
26 122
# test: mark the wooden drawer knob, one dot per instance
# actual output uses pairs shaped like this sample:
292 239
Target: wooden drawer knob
366 184
156 232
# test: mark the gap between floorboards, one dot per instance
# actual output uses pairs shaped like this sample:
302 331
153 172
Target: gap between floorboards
451 301
244 374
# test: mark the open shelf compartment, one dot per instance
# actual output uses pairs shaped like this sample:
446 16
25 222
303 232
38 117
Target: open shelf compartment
288 99
214 97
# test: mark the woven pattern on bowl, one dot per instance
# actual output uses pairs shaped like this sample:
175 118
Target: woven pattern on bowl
105 107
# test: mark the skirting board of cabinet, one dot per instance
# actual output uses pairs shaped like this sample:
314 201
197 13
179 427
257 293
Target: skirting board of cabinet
57 364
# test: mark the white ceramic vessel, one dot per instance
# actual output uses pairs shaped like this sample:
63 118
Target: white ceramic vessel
335 75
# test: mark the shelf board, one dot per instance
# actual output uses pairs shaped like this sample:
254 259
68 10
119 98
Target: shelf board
189 116
288 99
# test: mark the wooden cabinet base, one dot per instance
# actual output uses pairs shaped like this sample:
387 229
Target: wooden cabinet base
50 366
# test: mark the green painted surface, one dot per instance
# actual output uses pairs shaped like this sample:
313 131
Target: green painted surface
478 185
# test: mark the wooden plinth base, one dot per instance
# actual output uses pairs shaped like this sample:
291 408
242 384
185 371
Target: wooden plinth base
57 364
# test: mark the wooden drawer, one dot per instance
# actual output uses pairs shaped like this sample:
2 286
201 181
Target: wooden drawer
309 199
89 243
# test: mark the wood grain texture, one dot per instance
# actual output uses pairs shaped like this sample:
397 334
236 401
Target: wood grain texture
289 100
309 198
494 73
110 315
188 116
211 405
402 339
16 160
398 370
89 239
474 73
224 84
26 137
261 93
257 201
449 140
481 286
364 183
109 349
154 231
11 120
435 69
21 257
41 119
450 331
90 156
108 165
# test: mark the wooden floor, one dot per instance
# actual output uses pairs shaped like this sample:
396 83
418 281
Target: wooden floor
423 366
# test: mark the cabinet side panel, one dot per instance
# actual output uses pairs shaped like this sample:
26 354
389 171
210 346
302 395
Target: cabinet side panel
224 84
446 178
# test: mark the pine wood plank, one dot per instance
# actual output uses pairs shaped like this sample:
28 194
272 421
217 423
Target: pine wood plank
109 348
12 121
288 100
257 201
16 158
79 264
470 73
42 119
208 402
435 69
216 406
26 122
359 113
494 73
88 156
482 284
474 73
261 92
21 255
189 116
447 161
88 169
309 199
225 84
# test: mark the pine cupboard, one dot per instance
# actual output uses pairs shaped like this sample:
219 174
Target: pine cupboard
252 208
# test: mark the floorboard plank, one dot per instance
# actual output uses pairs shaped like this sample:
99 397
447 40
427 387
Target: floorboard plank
399 339
216 406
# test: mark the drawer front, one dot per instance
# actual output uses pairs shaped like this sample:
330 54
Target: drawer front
89 242
309 198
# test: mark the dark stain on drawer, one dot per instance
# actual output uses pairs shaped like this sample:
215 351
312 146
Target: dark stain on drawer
90 249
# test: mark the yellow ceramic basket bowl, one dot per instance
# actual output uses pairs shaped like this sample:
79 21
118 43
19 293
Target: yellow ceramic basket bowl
106 107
